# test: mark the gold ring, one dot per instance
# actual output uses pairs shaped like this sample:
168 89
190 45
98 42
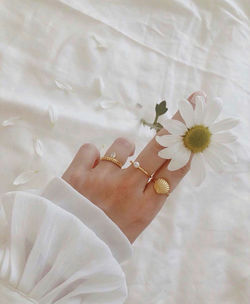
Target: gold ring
161 186
136 164
112 159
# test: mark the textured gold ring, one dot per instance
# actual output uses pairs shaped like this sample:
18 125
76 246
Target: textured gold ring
112 159
136 164
161 186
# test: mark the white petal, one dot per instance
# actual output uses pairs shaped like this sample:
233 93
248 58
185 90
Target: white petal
223 152
63 86
52 114
187 112
199 111
24 177
169 152
223 138
100 44
168 140
213 110
38 147
180 160
213 160
224 125
107 103
199 98
99 85
11 121
197 169
175 127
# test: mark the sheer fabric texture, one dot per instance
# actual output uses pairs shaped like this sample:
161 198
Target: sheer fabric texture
48 255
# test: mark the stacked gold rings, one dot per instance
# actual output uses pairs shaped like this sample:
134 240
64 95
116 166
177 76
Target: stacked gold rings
161 185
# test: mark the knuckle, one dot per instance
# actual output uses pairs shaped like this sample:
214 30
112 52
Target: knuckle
183 171
75 178
88 147
125 142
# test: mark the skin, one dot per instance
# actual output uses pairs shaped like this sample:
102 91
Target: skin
124 194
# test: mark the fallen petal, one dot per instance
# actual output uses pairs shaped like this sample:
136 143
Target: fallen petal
99 85
100 44
52 114
24 177
11 121
107 104
38 147
63 86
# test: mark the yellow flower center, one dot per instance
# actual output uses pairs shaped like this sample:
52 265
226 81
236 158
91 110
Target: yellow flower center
197 138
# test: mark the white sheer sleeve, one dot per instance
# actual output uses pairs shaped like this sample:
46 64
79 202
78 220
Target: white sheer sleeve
50 255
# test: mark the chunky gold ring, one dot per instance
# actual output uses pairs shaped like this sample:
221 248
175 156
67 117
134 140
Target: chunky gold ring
112 159
161 186
136 164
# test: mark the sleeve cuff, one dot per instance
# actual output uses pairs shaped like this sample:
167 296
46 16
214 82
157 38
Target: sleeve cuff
65 196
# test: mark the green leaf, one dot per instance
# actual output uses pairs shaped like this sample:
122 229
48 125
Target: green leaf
161 108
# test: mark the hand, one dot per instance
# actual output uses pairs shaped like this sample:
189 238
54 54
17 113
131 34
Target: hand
123 194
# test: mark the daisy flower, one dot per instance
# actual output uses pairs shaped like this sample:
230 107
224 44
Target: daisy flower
200 136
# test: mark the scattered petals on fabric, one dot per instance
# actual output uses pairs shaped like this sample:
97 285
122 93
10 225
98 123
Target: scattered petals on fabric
201 136
63 86
52 115
24 177
11 121
38 147
100 44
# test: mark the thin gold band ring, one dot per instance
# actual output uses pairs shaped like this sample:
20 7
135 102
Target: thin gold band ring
137 166
113 160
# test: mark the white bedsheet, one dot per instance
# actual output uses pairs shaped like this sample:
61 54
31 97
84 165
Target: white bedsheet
95 62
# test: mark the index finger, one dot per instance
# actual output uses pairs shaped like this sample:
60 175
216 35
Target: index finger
148 158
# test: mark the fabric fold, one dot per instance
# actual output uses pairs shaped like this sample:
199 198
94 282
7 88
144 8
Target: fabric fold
48 256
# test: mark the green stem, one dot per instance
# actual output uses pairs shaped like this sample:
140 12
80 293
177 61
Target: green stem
156 119
145 123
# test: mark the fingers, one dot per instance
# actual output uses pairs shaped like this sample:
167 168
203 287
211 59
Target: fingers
172 177
86 158
121 149
149 158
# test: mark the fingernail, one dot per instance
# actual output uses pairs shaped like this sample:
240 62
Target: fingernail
198 95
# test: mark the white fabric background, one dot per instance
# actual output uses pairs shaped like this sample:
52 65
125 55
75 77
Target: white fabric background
58 52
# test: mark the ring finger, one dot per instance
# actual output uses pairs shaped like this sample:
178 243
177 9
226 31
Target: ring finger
120 150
